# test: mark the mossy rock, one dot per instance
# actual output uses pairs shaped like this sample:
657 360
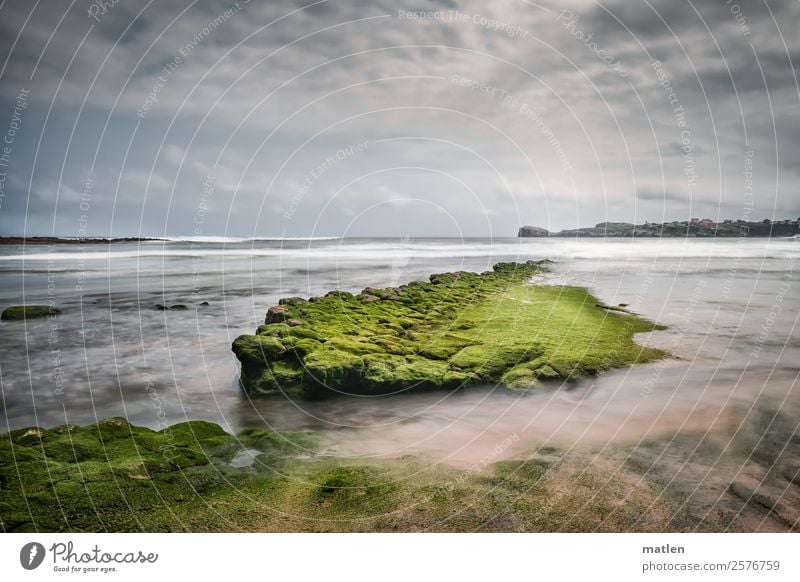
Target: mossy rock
67 477
193 432
457 330
22 312
343 479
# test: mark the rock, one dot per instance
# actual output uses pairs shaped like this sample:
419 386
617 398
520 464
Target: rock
463 331
533 232
439 278
19 312
204 304
292 301
611 308
276 314
177 307
343 295
546 371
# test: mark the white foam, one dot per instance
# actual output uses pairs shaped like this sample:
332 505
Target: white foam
385 250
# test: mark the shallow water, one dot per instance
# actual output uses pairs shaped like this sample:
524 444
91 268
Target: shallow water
731 306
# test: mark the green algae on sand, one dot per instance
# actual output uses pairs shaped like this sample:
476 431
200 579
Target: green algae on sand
113 476
457 330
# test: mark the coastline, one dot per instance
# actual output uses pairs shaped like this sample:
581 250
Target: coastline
694 228
56 240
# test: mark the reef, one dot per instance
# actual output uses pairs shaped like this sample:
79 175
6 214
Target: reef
22 312
457 330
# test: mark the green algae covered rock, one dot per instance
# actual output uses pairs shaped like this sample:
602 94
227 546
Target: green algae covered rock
20 312
72 478
456 330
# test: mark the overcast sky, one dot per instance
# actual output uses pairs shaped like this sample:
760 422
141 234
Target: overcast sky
366 118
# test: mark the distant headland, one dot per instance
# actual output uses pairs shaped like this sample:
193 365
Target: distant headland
695 227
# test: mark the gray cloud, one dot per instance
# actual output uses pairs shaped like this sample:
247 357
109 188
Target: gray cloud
666 196
152 103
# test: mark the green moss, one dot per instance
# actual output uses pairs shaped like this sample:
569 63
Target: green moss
351 492
18 312
444 346
193 432
74 478
343 478
457 330
257 347
520 376
180 479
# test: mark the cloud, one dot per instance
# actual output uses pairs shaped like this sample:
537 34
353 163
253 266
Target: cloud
256 95
662 195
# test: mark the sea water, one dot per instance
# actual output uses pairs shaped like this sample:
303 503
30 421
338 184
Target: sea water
731 307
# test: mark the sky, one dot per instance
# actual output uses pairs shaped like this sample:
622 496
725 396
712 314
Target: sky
430 118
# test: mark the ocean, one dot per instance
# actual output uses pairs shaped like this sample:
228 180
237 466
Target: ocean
731 307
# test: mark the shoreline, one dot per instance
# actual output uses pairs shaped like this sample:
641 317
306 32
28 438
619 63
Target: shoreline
195 477
53 240
695 228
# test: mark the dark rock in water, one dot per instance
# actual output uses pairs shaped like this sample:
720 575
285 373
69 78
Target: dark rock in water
177 306
292 301
204 304
20 312
611 308
276 314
